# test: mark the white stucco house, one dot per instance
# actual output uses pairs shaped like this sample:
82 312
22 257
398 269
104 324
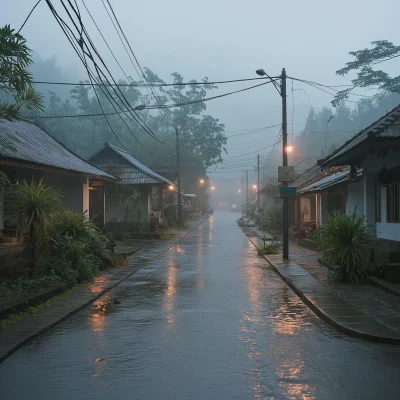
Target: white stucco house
376 193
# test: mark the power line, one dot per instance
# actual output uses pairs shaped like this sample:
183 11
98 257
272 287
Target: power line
205 99
150 84
81 42
155 107
26 20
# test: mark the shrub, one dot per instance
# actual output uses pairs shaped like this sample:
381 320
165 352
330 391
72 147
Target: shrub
272 218
32 205
70 260
344 241
77 251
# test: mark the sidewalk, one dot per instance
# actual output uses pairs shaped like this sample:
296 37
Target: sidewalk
29 326
360 310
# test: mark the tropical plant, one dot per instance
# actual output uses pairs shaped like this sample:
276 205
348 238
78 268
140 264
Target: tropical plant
32 206
344 241
15 79
77 249
70 223
69 260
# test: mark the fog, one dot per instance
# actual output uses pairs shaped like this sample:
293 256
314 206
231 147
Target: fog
226 40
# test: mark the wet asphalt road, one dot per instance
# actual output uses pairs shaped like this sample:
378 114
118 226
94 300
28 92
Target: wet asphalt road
207 320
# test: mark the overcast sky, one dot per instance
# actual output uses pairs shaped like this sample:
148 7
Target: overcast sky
224 39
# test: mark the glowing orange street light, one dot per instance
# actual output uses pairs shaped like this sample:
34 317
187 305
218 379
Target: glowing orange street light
171 187
201 181
289 149
254 186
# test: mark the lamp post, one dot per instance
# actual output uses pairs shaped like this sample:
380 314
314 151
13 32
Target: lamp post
282 93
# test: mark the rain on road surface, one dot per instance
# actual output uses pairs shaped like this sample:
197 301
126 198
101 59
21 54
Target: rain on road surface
206 320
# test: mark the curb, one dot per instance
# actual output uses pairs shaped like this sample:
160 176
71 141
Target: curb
90 301
382 286
328 320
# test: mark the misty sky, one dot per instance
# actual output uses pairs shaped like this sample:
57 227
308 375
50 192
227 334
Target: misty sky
224 39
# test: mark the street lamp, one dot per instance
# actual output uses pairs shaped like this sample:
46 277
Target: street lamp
201 181
171 187
212 187
289 149
254 186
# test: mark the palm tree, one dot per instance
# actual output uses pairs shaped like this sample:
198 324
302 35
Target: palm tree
32 206
15 79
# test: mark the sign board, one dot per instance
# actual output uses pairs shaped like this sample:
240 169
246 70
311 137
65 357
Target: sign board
287 192
286 174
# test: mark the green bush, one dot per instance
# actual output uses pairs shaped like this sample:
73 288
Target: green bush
272 218
77 251
70 260
344 241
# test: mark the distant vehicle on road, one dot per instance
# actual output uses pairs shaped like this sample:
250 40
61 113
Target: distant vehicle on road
234 207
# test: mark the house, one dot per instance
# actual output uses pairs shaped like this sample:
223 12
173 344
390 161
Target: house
319 193
377 195
269 194
31 153
28 152
134 178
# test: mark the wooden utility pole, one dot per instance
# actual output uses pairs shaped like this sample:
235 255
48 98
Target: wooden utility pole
258 181
285 163
178 167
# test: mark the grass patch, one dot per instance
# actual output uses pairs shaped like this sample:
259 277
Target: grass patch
41 308
167 236
12 289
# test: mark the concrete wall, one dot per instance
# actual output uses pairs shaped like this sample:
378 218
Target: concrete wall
127 190
71 186
384 230
355 197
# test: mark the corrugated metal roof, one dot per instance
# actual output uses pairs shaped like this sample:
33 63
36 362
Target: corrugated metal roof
326 182
135 174
386 127
34 145
308 176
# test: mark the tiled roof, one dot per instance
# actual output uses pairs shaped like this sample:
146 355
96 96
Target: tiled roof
386 127
134 174
30 144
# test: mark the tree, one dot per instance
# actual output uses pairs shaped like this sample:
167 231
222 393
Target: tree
364 60
15 79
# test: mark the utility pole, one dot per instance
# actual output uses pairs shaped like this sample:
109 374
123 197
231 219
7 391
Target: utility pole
258 181
247 191
285 163
178 167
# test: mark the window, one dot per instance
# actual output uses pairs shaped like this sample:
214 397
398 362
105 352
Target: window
377 199
393 199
